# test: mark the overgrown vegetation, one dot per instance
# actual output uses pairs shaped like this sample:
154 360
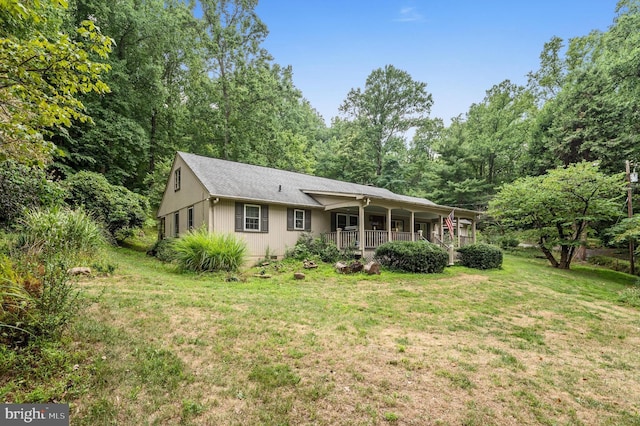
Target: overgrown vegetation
410 256
120 210
38 298
204 251
310 247
480 256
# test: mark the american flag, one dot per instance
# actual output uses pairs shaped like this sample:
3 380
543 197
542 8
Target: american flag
449 222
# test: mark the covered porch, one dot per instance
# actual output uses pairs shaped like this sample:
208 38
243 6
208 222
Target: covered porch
364 223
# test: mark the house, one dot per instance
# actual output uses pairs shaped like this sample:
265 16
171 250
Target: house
270 208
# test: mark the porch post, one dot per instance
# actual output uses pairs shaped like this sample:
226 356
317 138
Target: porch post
389 224
458 228
339 238
361 223
441 230
413 226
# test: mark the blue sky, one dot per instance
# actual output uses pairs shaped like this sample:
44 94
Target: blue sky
459 48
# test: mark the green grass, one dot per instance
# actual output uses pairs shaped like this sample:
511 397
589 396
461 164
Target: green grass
526 344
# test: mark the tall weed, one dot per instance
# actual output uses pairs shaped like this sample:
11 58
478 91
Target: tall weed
202 251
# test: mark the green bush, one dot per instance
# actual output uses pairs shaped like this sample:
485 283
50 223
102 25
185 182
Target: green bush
409 256
309 247
480 256
613 263
23 188
163 250
508 242
120 210
202 251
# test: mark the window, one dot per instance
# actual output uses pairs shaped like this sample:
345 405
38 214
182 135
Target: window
161 229
346 220
251 217
190 218
176 180
397 225
298 220
176 224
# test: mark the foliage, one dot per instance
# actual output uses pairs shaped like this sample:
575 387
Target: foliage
408 256
38 299
308 247
23 187
613 263
390 104
630 296
480 256
42 73
163 250
120 210
203 251
509 242
625 230
557 208
59 236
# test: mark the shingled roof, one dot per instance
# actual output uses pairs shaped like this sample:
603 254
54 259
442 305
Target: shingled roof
228 179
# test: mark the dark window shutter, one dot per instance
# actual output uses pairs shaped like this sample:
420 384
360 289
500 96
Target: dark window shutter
307 220
290 220
239 217
265 219
333 222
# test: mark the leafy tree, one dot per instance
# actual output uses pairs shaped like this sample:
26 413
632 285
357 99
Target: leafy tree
557 208
42 73
141 121
390 104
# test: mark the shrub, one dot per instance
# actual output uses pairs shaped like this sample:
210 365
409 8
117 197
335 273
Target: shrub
307 247
508 242
202 251
163 250
120 210
409 256
22 188
480 256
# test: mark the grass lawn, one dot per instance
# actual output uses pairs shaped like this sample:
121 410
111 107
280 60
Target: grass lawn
527 344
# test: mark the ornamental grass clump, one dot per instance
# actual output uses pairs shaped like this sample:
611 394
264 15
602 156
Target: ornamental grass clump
412 256
202 251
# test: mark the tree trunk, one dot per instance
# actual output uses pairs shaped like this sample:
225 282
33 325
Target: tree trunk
547 253
565 257
153 141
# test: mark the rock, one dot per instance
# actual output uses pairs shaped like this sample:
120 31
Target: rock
356 266
372 268
79 270
298 276
309 264
341 267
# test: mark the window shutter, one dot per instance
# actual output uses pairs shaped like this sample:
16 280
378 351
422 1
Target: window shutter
334 227
307 220
265 219
239 217
290 224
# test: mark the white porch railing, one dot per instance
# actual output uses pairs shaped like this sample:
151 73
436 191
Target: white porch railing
372 239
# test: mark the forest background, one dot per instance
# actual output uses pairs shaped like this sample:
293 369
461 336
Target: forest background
202 82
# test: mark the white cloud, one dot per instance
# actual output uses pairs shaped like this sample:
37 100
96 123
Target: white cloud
409 14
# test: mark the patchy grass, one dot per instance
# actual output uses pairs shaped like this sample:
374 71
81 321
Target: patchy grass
526 344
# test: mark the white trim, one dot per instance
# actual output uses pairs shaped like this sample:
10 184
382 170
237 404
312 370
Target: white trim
245 217
295 219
